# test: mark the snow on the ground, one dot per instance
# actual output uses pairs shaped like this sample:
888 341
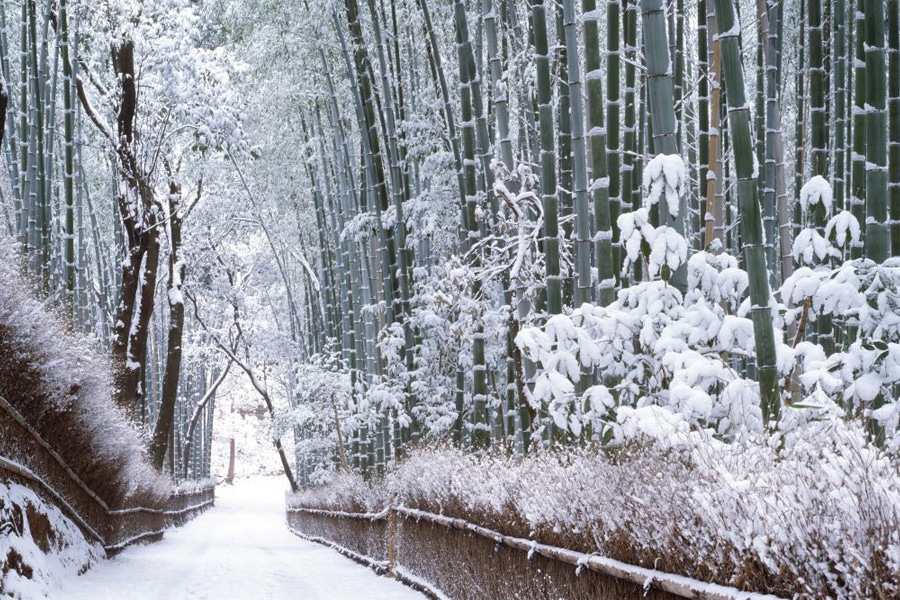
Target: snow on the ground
39 545
240 549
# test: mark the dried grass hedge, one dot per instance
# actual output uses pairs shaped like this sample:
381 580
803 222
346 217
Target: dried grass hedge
361 535
466 566
62 388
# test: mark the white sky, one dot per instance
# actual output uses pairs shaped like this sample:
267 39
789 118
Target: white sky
241 549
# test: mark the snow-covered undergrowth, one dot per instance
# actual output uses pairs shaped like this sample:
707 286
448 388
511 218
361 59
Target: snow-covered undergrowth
62 387
649 441
662 455
818 516
39 546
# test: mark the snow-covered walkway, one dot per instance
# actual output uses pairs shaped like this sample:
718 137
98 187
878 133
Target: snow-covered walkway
239 550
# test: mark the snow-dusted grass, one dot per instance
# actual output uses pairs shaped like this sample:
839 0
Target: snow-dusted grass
62 387
815 514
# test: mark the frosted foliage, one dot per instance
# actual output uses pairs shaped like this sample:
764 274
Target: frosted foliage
658 347
843 227
665 174
668 248
815 191
817 514
194 83
664 248
860 376
680 362
810 248
652 422
324 390
74 387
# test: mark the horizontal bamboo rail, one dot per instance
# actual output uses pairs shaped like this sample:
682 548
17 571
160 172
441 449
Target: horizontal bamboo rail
38 466
647 579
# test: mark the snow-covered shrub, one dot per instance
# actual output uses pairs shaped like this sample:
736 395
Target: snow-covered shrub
814 514
321 397
63 390
347 492
654 346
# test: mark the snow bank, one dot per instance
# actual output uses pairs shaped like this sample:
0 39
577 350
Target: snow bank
39 546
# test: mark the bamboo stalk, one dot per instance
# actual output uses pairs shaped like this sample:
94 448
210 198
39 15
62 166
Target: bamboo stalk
751 221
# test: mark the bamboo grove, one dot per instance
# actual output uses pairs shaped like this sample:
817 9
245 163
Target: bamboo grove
96 260
432 180
548 132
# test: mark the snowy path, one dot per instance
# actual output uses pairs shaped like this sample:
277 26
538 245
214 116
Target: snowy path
238 550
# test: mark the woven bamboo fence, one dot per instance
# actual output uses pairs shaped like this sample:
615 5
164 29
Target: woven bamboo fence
449 558
26 458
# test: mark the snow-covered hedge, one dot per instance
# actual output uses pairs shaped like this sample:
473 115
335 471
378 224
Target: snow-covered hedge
62 387
816 515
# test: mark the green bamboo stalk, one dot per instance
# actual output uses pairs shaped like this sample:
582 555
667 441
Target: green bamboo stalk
676 38
767 198
858 156
26 227
481 432
751 222
500 91
69 151
564 143
584 287
43 217
483 146
801 129
767 45
601 178
775 175
818 128
629 199
500 96
703 97
550 199
613 101
661 88
877 244
839 60
893 21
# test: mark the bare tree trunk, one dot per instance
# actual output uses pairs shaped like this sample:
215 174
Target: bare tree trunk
229 478
164 421
198 411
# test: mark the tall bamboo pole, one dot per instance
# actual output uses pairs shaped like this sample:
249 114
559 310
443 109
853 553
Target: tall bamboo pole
858 156
893 102
601 179
751 221
550 199
877 244
69 150
583 285
613 101
839 179
818 127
